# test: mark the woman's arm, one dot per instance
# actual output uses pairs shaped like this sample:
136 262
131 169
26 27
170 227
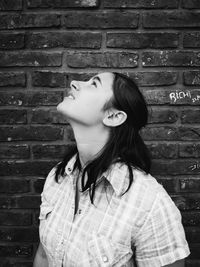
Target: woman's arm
40 258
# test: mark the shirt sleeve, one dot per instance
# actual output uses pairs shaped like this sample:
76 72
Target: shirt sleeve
161 240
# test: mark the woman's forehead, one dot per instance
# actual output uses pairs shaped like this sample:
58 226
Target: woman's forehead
105 77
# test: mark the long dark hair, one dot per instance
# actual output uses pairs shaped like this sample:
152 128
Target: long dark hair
124 144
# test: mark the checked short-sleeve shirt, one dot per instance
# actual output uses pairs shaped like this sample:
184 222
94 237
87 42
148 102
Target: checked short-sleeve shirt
139 228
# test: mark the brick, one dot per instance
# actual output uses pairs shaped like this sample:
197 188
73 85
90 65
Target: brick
162 116
30 99
189 185
11 41
174 167
172 19
168 184
189 133
49 79
102 60
190 116
191 4
101 20
19 263
14 186
42 116
22 168
160 133
10 5
140 4
20 202
191 39
38 185
24 251
14 151
12 79
50 151
194 248
191 77
142 40
191 218
187 203
171 58
163 151
24 21
30 133
190 150
8 218
64 39
62 4
30 59
19 235
13 116
171 96
193 235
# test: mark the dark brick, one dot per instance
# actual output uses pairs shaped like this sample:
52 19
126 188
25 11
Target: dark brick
12 79
154 78
30 59
191 218
14 186
102 60
191 39
190 150
13 116
21 202
17 133
15 251
193 235
38 185
189 185
64 39
50 151
171 58
191 77
47 116
15 218
14 151
174 167
187 203
101 20
11 41
161 150
19 235
140 4
190 116
189 133
168 184
191 4
22 168
172 19
49 79
162 116
13 263
23 21
30 99
160 133
194 248
172 96
10 5
142 40
62 3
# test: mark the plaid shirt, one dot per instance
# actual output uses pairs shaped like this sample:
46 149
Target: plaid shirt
140 228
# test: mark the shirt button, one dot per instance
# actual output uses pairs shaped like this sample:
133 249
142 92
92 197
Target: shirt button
105 259
69 169
79 211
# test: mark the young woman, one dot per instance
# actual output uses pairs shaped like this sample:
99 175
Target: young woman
100 205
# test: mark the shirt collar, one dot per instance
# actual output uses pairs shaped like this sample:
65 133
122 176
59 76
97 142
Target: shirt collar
117 175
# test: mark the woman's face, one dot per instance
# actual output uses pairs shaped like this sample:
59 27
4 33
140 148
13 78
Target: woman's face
85 100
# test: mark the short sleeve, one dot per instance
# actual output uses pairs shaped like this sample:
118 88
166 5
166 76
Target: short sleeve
161 240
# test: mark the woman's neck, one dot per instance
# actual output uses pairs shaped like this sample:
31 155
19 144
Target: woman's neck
89 141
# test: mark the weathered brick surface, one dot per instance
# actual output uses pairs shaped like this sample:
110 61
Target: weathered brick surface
64 39
142 40
44 45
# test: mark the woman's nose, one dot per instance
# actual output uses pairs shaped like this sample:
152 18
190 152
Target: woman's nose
74 85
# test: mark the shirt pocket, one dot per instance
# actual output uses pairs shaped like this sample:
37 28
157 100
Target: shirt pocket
106 252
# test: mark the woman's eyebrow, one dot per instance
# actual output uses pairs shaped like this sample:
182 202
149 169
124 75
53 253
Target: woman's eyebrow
97 78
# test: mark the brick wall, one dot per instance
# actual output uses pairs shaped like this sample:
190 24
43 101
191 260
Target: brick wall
46 43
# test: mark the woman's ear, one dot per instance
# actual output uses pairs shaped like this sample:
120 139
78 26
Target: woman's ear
114 118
